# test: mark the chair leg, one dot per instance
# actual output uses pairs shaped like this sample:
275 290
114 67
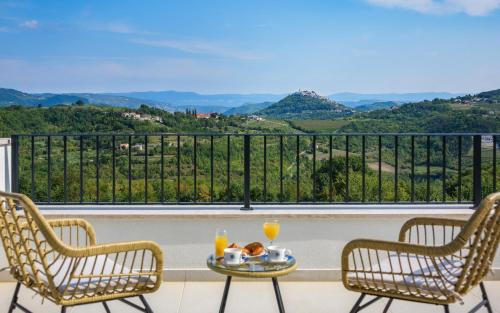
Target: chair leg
446 308
386 308
106 307
355 308
146 304
485 298
13 302
63 309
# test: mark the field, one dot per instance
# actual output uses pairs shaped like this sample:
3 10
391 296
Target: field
267 125
320 126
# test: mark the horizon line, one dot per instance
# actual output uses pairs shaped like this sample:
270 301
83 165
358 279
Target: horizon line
245 93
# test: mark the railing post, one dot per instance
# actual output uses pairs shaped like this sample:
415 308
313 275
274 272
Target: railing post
15 163
476 160
246 172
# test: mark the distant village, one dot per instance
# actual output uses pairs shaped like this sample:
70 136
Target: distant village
311 94
142 117
138 116
151 118
471 100
215 115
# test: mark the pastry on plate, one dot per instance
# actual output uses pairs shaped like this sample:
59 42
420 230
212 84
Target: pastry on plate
254 248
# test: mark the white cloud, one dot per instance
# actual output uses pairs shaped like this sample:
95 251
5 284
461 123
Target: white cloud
470 7
200 47
32 24
477 7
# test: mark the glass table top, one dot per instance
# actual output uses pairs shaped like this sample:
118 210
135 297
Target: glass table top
253 265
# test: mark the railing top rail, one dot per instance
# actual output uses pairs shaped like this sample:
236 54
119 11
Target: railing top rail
251 134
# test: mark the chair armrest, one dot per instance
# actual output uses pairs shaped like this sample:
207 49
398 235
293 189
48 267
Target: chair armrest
69 231
388 247
135 259
367 262
430 231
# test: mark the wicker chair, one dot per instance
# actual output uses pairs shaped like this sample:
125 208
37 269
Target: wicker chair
61 261
436 260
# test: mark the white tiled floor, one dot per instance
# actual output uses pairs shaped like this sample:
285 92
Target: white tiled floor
251 297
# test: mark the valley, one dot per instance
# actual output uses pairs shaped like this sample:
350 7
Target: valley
305 160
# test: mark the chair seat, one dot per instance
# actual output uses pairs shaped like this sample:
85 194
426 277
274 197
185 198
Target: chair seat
410 274
95 275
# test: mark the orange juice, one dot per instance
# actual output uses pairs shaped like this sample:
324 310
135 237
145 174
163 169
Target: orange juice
271 230
220 245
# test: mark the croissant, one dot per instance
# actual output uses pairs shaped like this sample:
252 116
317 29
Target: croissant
234 245
254 248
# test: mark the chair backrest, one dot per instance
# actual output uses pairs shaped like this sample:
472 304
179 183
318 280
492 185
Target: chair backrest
28 241
480 236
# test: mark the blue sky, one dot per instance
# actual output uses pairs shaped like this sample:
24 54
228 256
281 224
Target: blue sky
250 46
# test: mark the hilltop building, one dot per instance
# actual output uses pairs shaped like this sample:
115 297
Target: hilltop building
202 115
311 93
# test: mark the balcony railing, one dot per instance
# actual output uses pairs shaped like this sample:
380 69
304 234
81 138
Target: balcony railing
201 168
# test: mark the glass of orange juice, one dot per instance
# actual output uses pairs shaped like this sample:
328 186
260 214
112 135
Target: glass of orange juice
220 242
271 229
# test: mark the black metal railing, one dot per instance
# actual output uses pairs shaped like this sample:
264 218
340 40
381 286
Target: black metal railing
165 168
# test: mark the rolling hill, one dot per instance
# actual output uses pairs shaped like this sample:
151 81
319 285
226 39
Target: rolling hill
466 114
193 99
248 108
201 108
377 106
397 97
305 105
492 96
14 97
122 101
439 116
10 97
205 103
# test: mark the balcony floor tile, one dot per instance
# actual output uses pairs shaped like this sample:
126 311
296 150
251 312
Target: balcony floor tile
251 297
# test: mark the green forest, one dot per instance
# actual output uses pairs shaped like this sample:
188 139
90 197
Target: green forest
296 167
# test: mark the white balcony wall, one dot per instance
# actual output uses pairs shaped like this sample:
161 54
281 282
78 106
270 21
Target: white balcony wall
316 237
5 161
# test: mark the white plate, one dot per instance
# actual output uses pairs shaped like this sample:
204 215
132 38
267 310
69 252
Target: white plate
252 257
288 257
232 265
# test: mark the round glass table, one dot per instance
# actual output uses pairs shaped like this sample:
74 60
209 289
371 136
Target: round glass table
253 268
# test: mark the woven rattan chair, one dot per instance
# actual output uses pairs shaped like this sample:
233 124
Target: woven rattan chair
436 260
61 261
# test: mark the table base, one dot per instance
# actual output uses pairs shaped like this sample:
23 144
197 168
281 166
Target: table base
277 292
